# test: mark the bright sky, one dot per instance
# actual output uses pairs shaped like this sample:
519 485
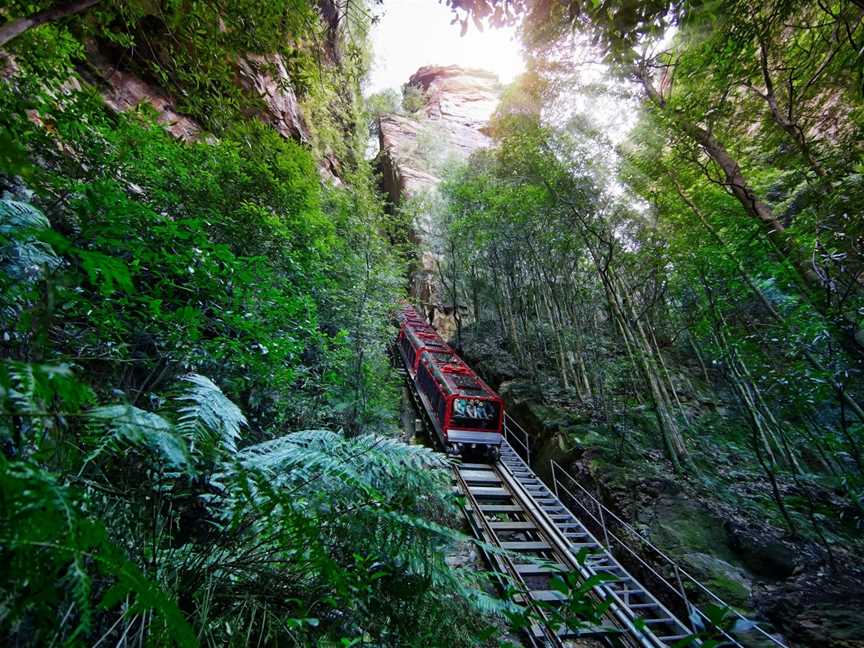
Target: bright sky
414 33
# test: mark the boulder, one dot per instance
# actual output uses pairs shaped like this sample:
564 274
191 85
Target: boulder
818 607
728 581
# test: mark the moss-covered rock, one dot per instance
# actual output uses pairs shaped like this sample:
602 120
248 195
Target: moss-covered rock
729 582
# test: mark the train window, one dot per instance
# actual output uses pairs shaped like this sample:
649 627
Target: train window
474 413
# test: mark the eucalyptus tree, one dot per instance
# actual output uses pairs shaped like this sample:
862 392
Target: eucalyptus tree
694 92
555 245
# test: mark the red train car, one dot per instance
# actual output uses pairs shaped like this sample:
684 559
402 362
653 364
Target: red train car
414 339
466 413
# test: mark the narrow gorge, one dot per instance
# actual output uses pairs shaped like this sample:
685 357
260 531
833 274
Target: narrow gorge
640 224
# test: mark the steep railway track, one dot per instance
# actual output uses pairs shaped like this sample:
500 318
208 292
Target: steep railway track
509 507
501 516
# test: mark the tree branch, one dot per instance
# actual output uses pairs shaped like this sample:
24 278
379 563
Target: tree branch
18 26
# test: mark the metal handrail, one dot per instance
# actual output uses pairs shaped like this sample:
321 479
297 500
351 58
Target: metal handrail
602 509
524 442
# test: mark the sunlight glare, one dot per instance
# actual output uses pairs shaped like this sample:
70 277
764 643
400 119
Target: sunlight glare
414 33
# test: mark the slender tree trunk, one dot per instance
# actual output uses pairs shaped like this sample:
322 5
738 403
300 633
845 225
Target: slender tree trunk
737 184
769 307
18 26
785 121
717 152
758 440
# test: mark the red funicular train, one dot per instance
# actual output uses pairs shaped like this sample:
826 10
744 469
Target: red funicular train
466 414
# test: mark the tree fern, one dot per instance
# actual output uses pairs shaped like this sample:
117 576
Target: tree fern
129 425
37 393
44 532
208 417
24 256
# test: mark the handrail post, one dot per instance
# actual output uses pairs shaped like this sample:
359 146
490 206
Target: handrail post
684 596
603 524
554 479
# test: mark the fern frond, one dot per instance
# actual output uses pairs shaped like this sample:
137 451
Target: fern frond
129 425
24 257
16 216
207 411
296 460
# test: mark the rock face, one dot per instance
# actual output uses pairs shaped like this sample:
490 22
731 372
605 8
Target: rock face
451 125
268 77
123 91
465 99
263 75
458 106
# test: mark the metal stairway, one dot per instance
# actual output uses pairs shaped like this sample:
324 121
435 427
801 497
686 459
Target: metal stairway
645 617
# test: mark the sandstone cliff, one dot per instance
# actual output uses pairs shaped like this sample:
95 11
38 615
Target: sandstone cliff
263 77
458 105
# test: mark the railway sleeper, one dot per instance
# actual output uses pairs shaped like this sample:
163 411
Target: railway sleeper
527 546
489 491
548 596
480 477
501 508
531 569
512 526
582 632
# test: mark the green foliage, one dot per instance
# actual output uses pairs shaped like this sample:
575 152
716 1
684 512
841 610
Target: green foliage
129 425
170 311
195 51
206 411
413 99
384 102
54 557
356 524
631 284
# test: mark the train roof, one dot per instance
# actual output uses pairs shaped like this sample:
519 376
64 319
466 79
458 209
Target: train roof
408 313
425 338
443 362
457 377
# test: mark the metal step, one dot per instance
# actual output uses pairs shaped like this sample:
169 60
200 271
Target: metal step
658 621
488 485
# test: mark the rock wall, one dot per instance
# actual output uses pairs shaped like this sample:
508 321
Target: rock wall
453 120
124 91
266 76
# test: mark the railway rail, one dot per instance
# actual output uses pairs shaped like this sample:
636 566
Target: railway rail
536 535
509 507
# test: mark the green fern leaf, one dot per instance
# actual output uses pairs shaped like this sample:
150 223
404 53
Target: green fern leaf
207 411
24 258
129 425
16 216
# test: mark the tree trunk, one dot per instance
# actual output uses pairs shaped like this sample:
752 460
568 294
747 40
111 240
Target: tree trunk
736 182
787 123
18 26
769 307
